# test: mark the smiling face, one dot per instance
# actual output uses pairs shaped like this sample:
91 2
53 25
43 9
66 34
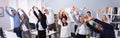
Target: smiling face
80 19
46 11
104 18
64 20
22 17
88 13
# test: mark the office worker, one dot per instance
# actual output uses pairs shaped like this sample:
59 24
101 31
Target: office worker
25 26
50 22
16 19
41 23
76 12
32 19
62 13
65 28
105 30
82 29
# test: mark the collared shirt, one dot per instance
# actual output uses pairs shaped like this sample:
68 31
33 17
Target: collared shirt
50 18
82 29
65 31
40 26
15 17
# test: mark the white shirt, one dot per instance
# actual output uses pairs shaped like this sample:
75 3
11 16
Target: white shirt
32 18
65 31
40 26
82 29
24 28
50 18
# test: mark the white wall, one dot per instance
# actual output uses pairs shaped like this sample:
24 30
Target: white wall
4 21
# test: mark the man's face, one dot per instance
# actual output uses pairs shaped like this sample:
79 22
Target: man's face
74 8
12 12
88 14
46 11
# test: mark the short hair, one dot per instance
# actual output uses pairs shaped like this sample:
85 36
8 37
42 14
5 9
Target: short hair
88 12
11 10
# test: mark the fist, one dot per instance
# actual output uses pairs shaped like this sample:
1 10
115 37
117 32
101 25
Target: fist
6 7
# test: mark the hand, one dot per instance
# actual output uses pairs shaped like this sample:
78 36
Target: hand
19 9
33 7
88 18
6 7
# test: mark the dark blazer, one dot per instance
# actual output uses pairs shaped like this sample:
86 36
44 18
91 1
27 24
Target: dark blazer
108 31
42 20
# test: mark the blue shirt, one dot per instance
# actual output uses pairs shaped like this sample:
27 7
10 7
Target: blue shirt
16 17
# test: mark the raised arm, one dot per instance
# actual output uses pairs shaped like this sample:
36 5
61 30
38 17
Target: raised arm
24 13
58 15
29 12
13 10
34 12
105 25
92 27
75 19
7 11
67 14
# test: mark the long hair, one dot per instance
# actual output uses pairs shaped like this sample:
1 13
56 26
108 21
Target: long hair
65 19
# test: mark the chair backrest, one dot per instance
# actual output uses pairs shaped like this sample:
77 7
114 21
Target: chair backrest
1 32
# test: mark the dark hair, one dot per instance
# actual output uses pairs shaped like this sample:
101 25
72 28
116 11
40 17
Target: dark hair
64 17
88 12
11 10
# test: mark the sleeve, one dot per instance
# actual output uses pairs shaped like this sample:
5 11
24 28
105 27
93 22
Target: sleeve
13 10
105 25
75 19
92 28
9 13
35 14
24 13
37 24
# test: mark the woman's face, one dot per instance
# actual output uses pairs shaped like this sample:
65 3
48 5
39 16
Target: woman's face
63 20
104 18
22 17
80 20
